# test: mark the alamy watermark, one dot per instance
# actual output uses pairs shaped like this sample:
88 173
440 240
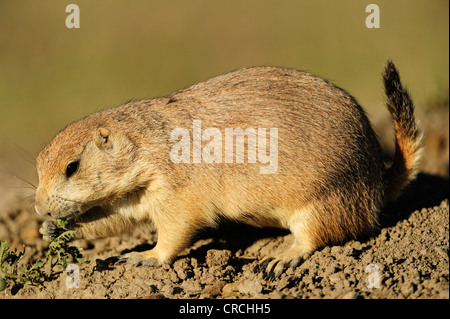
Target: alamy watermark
373 19
73 276
374 277
73 19
229 148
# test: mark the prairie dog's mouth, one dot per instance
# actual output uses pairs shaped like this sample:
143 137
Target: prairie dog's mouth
78 214
69 215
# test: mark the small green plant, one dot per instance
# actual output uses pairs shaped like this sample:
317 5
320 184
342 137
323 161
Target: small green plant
59 253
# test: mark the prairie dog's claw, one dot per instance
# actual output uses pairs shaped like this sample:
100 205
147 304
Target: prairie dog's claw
50 229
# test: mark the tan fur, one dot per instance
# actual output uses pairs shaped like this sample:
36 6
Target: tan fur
329 186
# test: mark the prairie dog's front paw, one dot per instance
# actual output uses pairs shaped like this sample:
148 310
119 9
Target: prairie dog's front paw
50 229
145 258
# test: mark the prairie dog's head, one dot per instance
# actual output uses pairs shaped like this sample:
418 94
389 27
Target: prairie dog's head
84 166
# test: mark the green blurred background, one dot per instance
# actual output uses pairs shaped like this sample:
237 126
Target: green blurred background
51 76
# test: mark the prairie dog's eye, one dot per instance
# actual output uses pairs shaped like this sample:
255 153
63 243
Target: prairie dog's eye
72 168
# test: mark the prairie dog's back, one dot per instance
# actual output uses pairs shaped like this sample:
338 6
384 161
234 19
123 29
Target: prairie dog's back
323 134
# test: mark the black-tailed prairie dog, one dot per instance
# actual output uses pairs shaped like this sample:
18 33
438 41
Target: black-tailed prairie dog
266 146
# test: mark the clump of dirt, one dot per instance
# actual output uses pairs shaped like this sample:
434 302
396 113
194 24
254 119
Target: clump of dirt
406 258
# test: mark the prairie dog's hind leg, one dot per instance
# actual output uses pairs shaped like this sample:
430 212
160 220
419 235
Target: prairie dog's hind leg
301 248
273 266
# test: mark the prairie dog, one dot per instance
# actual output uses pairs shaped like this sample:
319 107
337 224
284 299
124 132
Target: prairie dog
167 160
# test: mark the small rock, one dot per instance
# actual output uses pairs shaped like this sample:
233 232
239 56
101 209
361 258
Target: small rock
250 287
183 268
173 276
349 251
336 250
336 277
214 289
276 295
215 257
350 295
191 286
230 290
367 258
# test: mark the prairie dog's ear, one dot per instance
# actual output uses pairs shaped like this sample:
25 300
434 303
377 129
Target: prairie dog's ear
102 138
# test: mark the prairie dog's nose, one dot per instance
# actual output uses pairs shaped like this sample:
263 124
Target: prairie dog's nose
40 199
38 210
41 211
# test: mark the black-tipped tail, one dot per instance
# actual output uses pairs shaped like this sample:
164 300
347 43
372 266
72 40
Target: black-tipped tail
407 134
